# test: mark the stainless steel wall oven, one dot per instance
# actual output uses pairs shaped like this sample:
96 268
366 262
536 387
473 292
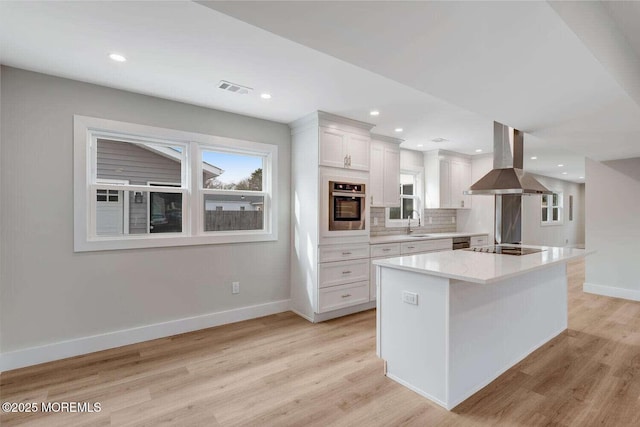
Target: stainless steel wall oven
347 205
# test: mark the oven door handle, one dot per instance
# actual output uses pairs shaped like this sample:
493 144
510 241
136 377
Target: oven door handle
338 194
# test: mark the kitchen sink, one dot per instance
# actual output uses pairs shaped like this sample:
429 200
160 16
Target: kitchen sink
420 235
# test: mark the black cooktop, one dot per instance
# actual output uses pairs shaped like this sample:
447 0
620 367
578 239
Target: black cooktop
505 250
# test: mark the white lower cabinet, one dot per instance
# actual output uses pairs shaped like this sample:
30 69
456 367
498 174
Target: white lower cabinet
338 273
343 276
335 297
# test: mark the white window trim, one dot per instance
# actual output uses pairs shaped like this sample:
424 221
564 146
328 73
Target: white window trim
418 196
85 130
550 222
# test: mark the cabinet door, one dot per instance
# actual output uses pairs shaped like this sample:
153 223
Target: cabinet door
332 143
376 176
358 152
445 184
391 174
460 181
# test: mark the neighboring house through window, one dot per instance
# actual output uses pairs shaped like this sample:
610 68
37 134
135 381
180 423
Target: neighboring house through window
140 186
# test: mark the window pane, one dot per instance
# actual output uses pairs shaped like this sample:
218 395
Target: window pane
394 213
407 189
545 201
139 163
232 171
545 217
555 199
407 208
165 212
224 212
556 214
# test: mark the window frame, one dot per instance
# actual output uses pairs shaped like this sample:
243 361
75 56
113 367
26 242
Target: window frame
417 197
550 207
87 130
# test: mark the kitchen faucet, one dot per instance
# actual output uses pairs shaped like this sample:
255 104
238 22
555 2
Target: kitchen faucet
409 231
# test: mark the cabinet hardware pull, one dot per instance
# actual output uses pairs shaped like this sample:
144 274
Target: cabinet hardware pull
346 295
411 247
349 160
371 199
346 272
386 250
346 253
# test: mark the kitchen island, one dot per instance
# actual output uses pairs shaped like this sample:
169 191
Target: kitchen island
449 323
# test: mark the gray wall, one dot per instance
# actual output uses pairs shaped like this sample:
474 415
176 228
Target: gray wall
613 228
48 293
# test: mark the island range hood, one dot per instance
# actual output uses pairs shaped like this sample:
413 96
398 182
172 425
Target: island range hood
507 176
508 183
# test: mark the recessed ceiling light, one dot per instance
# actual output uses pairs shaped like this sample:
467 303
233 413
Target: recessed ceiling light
534 158
565 173
479 150
398 129
117 57
374 112
439 140
560 165
419 145
581 177
265 95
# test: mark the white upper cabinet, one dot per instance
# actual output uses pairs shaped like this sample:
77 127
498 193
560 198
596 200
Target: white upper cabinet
447 175
384 178
342 149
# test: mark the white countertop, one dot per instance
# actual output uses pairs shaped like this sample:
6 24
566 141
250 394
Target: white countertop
481 267
399 238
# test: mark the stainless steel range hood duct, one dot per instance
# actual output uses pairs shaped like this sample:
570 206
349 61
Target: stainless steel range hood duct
507 176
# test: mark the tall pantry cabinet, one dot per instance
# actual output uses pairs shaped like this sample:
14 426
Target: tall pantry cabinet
329 270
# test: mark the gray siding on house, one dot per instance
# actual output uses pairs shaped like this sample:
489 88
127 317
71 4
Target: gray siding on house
122 160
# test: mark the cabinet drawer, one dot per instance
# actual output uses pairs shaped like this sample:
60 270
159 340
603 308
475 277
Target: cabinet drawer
426 246
386 250
343 296
479 241
338 273
330 253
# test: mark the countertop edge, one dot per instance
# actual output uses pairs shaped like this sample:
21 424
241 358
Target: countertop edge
385 263
402 238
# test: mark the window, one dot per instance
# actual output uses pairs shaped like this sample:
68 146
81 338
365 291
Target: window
410 201
551 209
139 186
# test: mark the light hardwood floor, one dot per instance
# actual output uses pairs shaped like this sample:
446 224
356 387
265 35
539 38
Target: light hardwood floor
281 370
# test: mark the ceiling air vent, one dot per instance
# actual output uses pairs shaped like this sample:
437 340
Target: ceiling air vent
233 87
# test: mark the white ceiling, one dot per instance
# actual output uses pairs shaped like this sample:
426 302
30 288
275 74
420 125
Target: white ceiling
441 69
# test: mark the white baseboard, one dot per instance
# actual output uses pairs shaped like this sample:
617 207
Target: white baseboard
611 291
60 350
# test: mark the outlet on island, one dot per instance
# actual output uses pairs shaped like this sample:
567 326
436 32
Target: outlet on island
235 287
410 297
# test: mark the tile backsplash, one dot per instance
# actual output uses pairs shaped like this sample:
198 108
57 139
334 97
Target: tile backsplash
440 222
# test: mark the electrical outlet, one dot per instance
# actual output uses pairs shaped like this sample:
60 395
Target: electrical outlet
235 288
375 220
430 220
453 220
410 297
